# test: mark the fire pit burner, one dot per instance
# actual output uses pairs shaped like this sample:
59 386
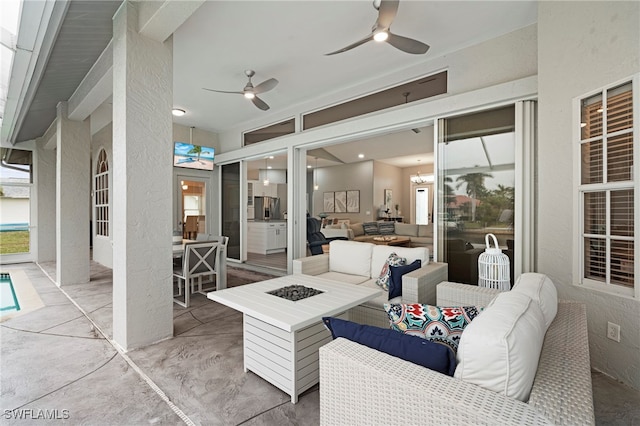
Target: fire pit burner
295 292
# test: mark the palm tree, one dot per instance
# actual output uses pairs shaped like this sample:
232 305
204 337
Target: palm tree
449 193
197 149
474 187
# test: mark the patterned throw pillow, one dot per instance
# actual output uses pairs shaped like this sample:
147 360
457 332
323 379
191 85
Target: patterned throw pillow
436 323
386 228
370 228
385 274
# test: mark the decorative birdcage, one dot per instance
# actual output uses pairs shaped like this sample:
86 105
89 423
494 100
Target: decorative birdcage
493 267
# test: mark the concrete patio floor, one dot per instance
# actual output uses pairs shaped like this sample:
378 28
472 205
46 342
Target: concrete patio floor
57 361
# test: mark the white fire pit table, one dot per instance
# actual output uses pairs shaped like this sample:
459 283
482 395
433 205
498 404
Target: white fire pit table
282 337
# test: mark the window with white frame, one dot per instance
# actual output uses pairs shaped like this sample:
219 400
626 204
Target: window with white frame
101 193
606 200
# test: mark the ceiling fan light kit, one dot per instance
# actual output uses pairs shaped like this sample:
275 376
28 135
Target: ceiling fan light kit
381 31
250 92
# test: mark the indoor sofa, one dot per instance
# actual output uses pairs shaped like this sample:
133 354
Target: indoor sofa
420 235
360 385
357 263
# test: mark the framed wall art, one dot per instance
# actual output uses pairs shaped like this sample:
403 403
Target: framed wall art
340 201
353 201
388 199
328 204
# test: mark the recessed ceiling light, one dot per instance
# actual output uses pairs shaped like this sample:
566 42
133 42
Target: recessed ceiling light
309 166
271 157
178 112
269 167
360 155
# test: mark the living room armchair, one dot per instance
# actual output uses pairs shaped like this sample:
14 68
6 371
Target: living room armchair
316 238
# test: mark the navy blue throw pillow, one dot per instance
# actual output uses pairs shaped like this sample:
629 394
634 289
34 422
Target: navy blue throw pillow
395 282
414 349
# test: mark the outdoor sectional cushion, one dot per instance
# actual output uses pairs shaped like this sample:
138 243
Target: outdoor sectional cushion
381 253
413 349
344 278
540 288
500 349
350 257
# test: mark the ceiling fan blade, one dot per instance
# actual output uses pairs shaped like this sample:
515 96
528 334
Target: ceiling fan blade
387 13
260 103
222 91
407 45
265 86
351 46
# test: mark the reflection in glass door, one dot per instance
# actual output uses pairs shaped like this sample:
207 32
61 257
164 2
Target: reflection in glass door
476 189
230 208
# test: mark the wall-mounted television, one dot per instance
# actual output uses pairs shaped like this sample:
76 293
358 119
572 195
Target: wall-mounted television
192 156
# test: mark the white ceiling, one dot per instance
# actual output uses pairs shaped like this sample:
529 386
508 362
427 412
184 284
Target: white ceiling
287 40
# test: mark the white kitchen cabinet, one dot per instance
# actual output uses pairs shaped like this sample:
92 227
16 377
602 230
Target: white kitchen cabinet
260 190
266 237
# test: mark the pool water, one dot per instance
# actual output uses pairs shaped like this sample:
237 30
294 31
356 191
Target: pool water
8 298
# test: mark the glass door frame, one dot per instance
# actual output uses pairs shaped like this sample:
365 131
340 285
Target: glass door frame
525 258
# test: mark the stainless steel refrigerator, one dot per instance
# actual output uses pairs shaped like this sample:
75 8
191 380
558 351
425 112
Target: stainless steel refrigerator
266 208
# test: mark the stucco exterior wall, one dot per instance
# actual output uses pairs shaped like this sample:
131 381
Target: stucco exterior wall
582 46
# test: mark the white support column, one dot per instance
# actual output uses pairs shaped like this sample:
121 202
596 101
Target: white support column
46 205
142 184
73 147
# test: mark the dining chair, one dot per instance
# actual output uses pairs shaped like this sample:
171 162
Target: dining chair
200 259
222 255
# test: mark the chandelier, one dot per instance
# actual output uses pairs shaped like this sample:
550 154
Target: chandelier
418 179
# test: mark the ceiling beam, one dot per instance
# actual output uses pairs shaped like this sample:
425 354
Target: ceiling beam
95 88
157 20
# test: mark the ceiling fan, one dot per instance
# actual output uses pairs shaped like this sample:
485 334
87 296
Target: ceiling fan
250 91
381 31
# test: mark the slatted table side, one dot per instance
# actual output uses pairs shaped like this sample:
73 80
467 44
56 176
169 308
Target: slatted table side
288 360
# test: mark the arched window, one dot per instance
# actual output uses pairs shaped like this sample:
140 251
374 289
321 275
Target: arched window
102 194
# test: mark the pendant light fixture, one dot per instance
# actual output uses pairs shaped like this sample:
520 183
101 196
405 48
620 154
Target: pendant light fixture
265 182
315 177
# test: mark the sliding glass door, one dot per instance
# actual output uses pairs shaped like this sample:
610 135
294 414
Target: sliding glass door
477 188
230 209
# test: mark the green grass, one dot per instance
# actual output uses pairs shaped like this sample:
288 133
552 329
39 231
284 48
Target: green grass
14 242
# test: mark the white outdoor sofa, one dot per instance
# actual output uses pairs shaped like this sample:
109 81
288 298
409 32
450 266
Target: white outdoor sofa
357 263
361 386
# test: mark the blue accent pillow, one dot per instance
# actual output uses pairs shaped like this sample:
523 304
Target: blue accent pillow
395 280
414 349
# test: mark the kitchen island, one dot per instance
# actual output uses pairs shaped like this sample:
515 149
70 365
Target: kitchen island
266 236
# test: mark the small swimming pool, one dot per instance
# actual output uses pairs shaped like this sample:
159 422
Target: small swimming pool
8 298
